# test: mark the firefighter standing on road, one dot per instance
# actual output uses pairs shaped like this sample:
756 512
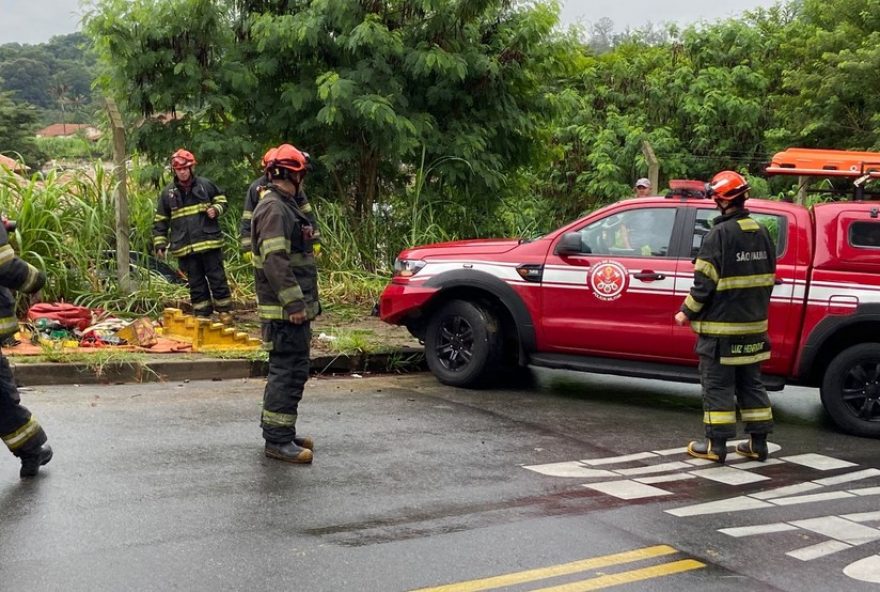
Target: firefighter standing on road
19 430
256 190
191 207
286 283
727 307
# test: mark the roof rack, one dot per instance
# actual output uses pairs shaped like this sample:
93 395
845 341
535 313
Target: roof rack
847 164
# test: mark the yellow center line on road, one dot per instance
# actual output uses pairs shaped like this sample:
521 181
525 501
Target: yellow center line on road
562 569
627 577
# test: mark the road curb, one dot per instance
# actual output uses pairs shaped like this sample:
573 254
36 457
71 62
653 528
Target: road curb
160 370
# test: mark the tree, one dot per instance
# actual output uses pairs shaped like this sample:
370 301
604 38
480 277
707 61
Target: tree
17 128
365 86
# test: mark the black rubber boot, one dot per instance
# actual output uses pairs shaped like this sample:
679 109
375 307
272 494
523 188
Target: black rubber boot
289 452
755 447
304 442
32 461
714 449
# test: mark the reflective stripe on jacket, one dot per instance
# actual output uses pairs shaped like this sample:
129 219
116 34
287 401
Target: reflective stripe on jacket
184 214
734 275
285 275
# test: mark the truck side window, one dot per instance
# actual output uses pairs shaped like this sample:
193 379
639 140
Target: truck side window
632 233
775 225
865 235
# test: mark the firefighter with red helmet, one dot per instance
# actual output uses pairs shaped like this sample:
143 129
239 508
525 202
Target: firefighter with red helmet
727 307
190 208
286 283
256 189
19 430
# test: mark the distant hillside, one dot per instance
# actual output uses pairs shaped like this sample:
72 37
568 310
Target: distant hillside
54 77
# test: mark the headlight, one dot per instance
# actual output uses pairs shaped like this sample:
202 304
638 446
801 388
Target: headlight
407 267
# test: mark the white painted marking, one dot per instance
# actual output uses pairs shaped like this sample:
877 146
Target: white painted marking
661 468
733 504
786 491
865 570
627 489
729 475
610 460
757 464
848 477
672 451
700 462
840 529
863 516
819 550
665 478
865 491
570 469
819 462
809 499
743 531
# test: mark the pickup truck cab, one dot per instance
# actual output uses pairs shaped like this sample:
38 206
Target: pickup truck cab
600 295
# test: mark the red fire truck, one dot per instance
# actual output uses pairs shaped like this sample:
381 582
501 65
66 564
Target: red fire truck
600 293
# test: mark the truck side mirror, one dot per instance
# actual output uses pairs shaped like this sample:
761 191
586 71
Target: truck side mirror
571 244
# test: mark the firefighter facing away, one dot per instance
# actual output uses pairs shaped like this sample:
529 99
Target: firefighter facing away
19 429
256 190
286 283
190 208
727 307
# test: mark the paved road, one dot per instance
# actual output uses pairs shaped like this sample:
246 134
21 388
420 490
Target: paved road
577 485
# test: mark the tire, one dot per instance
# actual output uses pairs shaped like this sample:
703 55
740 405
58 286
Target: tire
851 390
463 344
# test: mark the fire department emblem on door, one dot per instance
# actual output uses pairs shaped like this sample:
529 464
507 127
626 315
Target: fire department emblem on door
608 280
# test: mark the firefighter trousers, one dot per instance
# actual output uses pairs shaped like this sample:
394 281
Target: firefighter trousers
19 430
728 388
289 365
208 288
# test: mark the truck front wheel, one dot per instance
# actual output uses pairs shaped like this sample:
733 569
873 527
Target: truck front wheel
851 390
462 344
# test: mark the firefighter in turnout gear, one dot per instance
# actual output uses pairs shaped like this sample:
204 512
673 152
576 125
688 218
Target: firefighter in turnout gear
255 192
19 429
727 307
286 283
190 208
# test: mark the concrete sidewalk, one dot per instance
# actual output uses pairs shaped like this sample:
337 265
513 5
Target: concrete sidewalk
162 368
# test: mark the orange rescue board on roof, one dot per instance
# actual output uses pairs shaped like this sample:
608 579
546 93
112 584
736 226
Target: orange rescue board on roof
825 163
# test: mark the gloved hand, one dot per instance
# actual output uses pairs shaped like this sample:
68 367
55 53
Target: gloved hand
248 256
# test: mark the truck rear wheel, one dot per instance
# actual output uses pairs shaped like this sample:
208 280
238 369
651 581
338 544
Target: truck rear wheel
462 344
851 390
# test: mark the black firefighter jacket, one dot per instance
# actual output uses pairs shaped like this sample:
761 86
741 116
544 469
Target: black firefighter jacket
184 213
734 275
15 274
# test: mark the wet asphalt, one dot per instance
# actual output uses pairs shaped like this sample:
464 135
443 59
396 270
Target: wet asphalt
417 485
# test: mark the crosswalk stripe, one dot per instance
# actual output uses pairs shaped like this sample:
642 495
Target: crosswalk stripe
627 577
555 570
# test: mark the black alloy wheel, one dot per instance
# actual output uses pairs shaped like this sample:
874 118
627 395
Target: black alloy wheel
851 389
455 343
462 343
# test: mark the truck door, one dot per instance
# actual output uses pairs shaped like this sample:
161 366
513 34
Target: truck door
616 296
782 314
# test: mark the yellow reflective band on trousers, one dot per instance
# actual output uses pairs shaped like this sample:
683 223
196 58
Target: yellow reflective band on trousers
706 269
762 280
748 225
692 304
281 420
744 360
19 437
757 414
719 328
201 305
719 417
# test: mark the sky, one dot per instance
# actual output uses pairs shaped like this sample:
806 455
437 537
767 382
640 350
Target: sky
35 21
